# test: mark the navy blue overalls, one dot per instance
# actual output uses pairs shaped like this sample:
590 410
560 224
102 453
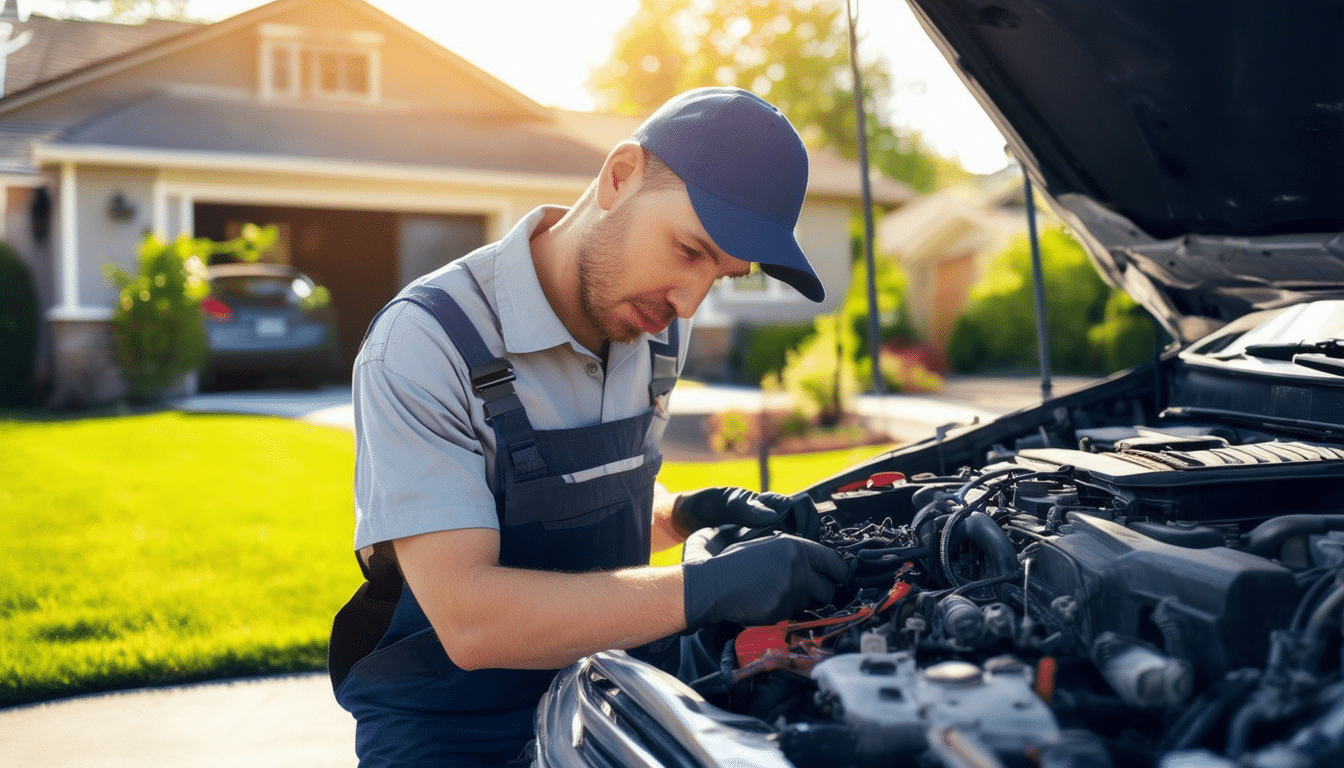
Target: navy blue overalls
413 705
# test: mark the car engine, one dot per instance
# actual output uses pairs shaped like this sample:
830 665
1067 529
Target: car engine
1152 597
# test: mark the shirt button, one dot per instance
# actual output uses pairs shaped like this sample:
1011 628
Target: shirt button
592 369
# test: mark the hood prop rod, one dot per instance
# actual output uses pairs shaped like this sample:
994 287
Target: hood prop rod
861 121
1038 281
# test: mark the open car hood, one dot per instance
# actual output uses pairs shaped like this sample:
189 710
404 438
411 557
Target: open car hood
1196 148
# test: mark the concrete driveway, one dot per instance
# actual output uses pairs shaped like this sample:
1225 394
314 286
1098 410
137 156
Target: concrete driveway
292 720
962 400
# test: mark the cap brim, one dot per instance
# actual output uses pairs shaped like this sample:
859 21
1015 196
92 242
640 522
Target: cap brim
749 236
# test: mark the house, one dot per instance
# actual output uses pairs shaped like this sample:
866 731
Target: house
377 153
945 241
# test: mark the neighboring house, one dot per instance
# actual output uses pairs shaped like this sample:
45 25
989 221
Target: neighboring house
946 240
379 154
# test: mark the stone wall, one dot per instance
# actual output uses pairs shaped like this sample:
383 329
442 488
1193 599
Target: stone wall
84 370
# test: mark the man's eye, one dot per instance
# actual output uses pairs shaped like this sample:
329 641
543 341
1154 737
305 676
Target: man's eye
690 253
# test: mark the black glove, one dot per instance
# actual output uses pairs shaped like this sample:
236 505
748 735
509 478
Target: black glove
712 507
761 581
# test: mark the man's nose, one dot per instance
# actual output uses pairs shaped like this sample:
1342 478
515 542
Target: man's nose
685 298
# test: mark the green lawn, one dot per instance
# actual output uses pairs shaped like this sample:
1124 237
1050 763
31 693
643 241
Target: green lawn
166 547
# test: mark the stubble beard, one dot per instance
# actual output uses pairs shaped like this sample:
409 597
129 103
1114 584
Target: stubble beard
599 270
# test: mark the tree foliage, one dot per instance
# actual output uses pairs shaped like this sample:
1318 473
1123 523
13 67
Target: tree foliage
1093 329
128 11
820 373
794 53
893 311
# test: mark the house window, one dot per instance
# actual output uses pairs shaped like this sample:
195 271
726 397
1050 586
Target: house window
322 64
341 74
283 71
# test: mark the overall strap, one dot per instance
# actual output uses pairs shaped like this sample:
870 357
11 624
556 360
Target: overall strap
664 358
491 379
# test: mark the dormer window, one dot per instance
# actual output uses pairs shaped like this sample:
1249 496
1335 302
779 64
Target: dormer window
282 74
341 74
319 64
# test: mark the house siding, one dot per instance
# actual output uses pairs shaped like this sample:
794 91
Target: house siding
101 240
818 228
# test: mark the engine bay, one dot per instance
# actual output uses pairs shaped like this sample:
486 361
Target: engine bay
1166 597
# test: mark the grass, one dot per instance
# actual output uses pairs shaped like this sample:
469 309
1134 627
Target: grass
165 548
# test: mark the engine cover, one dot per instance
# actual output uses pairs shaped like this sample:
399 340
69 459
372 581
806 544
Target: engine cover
1213 607
1228 484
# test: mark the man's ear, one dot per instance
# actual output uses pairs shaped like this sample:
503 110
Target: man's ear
621 174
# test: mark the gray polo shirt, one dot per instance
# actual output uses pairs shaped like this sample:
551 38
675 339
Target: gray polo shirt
424 456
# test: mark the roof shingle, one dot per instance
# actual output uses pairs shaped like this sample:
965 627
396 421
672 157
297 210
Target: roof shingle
62 46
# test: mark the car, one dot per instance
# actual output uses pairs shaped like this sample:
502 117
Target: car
265 321
1148 571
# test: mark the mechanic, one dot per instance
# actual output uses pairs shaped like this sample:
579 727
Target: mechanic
509 410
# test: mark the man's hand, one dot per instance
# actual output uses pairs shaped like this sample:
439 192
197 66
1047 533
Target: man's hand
712 507
760 581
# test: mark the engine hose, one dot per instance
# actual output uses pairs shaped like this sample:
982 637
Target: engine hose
904 553
1310 598
945 546
719 681
1327 611
939 506
1266 538
1062 473
1239 729
981 529
1203 713
945 538
981 479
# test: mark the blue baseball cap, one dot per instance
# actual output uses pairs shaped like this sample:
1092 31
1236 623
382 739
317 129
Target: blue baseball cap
745 170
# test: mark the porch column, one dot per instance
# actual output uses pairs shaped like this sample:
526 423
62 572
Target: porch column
186 215
68 285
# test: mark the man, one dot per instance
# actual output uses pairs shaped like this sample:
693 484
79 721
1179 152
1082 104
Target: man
508 411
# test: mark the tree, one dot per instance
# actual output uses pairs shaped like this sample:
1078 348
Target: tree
794 53
129 11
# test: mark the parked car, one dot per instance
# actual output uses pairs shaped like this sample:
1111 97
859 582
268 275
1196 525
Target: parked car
1145 572
268 320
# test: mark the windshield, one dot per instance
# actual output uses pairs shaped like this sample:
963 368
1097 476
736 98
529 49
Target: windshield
1308 324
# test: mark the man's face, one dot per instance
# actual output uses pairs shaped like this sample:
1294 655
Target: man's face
647 261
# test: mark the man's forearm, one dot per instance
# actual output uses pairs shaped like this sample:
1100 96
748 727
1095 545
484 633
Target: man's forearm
490 616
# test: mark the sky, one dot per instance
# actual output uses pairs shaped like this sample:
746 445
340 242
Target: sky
546 49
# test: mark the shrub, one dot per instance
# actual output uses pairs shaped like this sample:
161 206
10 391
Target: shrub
1126 337
820 374
741 433
997 331
893 315
730 432
157 325
760 349
906 370
18 330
